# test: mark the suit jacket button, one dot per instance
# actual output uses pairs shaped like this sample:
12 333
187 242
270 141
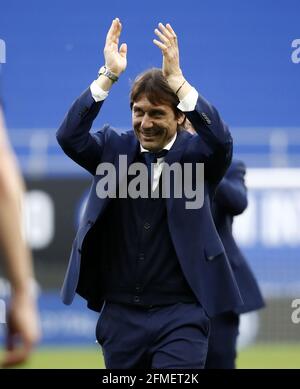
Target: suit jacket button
136 299
147 226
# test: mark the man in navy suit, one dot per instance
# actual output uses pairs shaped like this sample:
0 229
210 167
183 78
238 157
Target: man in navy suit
154 269
231 200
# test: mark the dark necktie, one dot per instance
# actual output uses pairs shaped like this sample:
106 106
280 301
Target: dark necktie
151 157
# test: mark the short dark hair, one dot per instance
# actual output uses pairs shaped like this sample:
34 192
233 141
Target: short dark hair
155 87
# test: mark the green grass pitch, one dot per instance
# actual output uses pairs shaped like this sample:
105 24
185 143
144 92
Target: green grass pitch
272 356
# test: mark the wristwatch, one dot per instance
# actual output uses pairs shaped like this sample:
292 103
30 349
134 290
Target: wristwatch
107 73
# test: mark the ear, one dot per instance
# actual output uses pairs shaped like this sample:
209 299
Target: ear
180 119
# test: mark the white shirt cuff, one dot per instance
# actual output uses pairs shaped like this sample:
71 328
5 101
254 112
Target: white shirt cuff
98 93
189 102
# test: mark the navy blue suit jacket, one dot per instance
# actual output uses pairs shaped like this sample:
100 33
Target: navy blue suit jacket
197 244
231 200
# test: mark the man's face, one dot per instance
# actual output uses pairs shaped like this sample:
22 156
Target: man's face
154 125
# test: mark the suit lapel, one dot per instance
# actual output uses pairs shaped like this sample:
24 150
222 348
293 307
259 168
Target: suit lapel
175 155
95 204
129 149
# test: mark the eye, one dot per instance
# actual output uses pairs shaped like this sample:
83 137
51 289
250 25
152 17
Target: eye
157 114
138 113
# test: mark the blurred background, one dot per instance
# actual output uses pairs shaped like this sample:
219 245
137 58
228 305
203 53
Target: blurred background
244 57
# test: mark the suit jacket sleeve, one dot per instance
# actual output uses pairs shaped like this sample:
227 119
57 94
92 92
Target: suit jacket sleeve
231 193
215 139
74 134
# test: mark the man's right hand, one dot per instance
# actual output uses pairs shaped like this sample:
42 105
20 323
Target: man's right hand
115 57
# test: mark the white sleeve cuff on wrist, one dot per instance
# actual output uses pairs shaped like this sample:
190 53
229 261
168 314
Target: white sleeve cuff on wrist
189 102
98 93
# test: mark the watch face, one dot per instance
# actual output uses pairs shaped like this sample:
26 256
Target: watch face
105 72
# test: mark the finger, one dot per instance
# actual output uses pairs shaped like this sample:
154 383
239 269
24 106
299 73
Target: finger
114 31
110 31
162 37
159 44
165 31
123 50
118 31
170 29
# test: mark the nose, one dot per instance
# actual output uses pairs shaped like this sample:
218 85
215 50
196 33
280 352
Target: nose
146 122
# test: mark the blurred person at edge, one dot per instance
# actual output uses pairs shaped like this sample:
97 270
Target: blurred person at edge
229 201
22 327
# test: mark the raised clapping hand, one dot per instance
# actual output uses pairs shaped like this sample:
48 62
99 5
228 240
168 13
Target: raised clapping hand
168 44
169 47
115 57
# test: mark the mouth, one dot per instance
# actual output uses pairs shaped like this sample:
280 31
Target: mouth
149 134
